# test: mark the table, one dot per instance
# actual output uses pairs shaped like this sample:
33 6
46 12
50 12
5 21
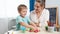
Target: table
27 32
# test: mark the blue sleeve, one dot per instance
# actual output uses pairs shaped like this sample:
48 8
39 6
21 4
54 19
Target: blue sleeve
19 20
28 20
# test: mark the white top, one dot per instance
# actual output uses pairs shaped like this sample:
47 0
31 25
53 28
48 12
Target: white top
44 17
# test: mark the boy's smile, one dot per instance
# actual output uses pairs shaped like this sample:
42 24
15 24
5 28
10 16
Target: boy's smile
23 12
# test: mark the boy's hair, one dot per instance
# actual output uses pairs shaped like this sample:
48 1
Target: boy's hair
21 6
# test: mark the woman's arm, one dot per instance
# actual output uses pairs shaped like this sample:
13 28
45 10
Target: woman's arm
33 24
32 18
46 17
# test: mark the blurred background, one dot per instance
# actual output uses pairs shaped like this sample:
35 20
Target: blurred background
8 12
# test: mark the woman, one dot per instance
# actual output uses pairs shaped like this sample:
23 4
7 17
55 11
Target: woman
39 15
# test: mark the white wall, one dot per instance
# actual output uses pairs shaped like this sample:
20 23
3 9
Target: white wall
2 9
11 6
54 3
8 8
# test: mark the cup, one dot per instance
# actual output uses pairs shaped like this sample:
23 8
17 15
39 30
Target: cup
51 29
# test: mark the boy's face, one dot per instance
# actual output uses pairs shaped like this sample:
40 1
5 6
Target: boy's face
23 12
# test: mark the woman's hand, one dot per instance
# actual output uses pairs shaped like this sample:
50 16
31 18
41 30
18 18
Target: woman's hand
37 24
34 28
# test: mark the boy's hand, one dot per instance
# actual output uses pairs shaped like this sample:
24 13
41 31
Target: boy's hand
37 24
37 28
34 28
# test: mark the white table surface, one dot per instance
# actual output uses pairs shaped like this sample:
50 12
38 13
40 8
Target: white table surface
27 32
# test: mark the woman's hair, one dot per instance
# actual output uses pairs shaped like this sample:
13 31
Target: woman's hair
42 2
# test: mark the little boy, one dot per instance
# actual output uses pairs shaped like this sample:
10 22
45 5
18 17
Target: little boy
24 22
